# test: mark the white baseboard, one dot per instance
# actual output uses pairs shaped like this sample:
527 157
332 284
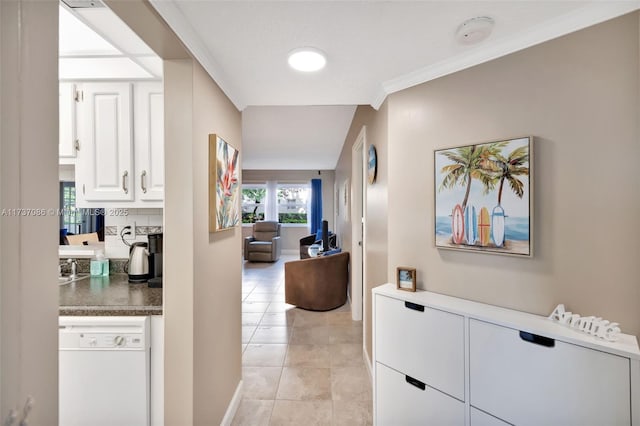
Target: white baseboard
233 406
367 362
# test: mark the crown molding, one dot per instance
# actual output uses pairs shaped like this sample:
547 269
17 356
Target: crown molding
379 98
589 15
592 14
172 14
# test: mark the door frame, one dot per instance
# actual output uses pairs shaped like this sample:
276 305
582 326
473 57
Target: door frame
358 223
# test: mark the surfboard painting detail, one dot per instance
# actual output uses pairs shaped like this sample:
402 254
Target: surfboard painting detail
484 227
470 224
483 197
457 225
497 226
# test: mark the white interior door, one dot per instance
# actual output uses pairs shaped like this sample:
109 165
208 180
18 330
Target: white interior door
358 228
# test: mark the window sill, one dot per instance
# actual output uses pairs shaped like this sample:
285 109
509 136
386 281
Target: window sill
284 225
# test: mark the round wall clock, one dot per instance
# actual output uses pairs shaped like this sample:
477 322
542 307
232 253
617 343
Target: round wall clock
372 164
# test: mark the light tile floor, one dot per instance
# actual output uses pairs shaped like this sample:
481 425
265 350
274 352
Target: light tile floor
299 367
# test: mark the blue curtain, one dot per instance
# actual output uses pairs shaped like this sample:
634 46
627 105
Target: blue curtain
316 205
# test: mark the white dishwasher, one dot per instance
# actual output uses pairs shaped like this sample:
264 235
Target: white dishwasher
104 371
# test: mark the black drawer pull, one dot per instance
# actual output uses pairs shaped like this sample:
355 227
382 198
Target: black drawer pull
414 306
538 340
415 382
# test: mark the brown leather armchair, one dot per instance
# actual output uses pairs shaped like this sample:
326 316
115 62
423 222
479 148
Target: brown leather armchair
317 284
264 245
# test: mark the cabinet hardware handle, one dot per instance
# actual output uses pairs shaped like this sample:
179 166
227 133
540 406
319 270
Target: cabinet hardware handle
143 177
125 175
77 145
415 382
538 340
414 306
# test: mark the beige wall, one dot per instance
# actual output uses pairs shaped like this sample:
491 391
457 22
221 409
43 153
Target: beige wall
179 268
6 336
203 270
579 97
218 273
142 17
376 204
29 179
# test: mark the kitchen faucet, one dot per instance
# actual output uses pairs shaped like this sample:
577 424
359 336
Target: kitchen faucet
74 267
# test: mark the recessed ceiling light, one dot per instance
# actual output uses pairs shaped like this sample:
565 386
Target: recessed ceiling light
307 59
475 30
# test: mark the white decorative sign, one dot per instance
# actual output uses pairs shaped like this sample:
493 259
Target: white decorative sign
591 325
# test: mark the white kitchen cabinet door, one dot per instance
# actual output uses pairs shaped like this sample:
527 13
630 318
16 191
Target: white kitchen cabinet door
402 400
67 117
149 141
105 160
531 380
425 343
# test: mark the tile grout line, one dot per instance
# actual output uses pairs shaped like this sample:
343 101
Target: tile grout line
275 397
334 338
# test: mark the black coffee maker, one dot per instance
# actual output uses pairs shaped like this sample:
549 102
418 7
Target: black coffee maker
155 260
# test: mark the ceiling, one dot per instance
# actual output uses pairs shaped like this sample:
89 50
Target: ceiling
373 47
294 137
94 44
293 120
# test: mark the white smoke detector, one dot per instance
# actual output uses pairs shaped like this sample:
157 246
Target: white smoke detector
475 30
83 4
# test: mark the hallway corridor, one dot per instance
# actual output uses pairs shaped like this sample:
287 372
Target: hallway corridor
299 367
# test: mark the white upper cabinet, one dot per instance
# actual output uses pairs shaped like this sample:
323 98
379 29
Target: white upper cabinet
68 134
120 161
149 141
105 159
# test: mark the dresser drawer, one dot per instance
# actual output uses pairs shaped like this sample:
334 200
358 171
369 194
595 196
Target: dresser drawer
530 380
479 418
403 401
424 343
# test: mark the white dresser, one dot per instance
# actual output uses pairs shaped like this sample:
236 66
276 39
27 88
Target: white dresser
440 360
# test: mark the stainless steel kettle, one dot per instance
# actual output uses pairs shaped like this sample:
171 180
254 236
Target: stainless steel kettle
138 263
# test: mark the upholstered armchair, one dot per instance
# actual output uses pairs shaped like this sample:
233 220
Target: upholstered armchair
317 284
264 245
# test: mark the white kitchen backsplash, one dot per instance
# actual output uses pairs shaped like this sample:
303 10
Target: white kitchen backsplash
142 222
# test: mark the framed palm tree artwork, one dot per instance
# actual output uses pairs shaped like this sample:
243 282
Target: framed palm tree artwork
483 197
224 185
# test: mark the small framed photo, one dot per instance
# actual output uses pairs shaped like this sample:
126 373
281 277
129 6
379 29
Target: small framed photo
406 278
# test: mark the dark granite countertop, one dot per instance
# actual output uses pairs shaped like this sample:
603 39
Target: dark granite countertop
109 296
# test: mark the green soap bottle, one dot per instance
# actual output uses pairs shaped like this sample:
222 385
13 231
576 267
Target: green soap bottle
100 265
